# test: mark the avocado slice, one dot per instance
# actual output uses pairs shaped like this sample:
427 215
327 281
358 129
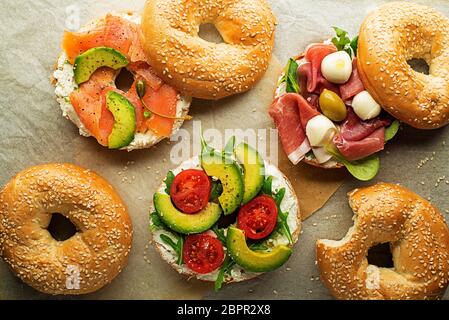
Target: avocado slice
125 120
254 170
229 173
252 260
182 222
89 61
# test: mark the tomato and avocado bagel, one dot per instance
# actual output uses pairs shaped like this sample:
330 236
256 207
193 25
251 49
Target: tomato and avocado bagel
225 216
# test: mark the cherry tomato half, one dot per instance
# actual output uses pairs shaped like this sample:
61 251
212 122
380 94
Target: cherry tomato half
258 217
203 253
190 190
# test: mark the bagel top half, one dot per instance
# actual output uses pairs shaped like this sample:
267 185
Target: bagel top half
200 68
389 37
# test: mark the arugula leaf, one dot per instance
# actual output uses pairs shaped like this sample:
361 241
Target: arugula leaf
177 246
391 130
266 187
216 190
220 234
259 246
282 225
156 222
168 181
354 45
364 169
228 263
278 196
291 76
205 148
342 41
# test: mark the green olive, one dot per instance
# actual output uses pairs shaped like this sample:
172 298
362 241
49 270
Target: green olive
332 106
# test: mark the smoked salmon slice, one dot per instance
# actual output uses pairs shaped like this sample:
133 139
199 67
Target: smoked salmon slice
144 70
112 31
89 99
315 54
89 102
164 102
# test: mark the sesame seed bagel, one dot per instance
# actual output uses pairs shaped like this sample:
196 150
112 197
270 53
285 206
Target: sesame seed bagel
237 273
63 79
199 68
88 260
388 38
419 242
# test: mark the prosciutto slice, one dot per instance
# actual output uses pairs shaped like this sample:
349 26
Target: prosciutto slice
355 150
307 77
353 86
315 54
354 129
291 113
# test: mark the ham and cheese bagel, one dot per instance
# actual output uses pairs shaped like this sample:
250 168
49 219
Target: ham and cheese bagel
419 241
203 69
389 37
95 254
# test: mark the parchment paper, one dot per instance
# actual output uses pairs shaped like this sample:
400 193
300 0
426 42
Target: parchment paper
32 131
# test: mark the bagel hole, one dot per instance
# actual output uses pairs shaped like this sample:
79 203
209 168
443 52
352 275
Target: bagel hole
419 65
124 80
209 32
60 227
380 255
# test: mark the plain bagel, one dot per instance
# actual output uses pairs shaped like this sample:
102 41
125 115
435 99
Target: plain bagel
419 242
388 38
203 69
95 254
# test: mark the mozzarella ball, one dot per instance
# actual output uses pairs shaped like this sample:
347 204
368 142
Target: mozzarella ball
365 106
321 155
337 67
320 131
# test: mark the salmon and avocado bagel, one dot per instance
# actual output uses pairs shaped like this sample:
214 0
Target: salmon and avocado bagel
225 216
135 116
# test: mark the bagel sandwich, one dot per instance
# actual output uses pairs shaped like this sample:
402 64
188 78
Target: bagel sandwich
86 92
323 113
217 217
